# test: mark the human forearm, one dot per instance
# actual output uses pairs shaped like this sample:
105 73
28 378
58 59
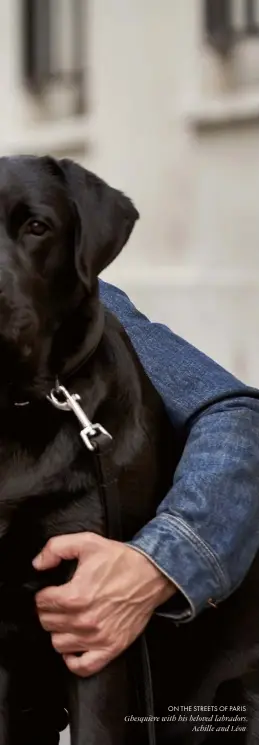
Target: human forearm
204 536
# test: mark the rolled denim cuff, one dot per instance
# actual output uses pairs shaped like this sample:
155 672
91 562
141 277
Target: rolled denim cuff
187 561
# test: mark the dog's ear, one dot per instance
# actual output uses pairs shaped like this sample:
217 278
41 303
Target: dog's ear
105 220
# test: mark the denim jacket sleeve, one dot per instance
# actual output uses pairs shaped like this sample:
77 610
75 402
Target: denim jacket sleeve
205 533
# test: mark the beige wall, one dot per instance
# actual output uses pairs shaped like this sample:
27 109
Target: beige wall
139 141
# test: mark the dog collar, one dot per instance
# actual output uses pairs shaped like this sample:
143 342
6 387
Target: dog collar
93 341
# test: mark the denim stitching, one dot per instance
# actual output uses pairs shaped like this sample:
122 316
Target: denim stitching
198 543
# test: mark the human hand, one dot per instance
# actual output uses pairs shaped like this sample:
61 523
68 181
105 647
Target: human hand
107 603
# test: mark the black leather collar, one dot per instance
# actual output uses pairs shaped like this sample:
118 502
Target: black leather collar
92 341
74 365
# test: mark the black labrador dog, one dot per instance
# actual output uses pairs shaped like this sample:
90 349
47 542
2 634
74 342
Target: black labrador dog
60 226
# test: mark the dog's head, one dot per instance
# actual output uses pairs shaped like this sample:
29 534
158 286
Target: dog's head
60 226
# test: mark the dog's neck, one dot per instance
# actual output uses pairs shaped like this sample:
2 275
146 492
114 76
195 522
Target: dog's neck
84 337
86 350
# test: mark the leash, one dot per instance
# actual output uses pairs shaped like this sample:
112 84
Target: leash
99 442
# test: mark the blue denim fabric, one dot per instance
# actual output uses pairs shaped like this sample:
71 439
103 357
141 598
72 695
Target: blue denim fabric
205 533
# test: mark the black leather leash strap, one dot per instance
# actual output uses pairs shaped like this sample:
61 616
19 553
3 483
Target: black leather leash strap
99 444
107 485
109 493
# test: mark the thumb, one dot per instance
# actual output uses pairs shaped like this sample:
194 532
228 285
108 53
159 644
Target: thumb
58 548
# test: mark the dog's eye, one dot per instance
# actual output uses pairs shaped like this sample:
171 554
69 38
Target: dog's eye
35 227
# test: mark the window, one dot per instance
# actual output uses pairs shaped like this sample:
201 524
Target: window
53 54
228 21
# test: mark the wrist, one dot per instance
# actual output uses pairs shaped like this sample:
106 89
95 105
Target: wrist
163 589
160 587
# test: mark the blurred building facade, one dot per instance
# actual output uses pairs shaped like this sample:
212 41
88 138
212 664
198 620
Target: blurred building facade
169 115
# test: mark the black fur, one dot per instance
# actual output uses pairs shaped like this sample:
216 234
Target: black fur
50 320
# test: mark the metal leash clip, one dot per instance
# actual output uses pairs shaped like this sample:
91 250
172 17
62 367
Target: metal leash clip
70 403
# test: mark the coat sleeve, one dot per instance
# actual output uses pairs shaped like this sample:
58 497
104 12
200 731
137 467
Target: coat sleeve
205 535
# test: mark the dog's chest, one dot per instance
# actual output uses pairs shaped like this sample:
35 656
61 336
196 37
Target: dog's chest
45 490
34 464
